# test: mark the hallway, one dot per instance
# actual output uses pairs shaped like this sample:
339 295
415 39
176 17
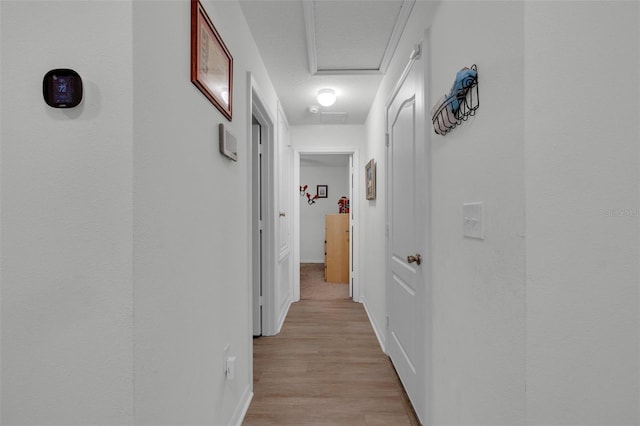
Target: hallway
326 366
130 233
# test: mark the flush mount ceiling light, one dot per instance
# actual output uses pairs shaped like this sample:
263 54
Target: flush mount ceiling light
326 97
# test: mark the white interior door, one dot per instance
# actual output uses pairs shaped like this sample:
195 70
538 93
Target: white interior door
257 229
407 219
284 190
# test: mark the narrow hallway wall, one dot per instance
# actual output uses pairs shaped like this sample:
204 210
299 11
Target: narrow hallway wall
477 288
123 228
550 298
191 222
67 221
582 186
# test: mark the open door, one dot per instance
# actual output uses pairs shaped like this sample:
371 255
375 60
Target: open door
258 241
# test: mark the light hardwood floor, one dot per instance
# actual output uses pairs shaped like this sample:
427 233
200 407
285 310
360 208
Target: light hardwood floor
325 367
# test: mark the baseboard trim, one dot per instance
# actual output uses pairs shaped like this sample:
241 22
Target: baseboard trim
283 317
242 408
376 329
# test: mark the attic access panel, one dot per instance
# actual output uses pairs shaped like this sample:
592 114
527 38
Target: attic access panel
353 36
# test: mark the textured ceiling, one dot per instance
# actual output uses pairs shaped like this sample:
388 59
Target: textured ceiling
336 35
352 35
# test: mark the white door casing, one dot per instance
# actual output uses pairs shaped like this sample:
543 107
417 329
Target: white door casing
284 199
354 255
352 240
257 108
407 221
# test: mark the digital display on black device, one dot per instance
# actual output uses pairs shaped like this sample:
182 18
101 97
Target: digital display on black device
62 88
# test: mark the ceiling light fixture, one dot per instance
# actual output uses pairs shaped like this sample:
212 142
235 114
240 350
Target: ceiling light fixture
326 97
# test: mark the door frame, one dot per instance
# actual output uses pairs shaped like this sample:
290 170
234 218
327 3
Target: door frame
420 51
256 107
354 252
258 249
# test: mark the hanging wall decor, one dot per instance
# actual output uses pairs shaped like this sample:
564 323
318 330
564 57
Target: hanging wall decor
311 200
303 190
322 191
370 179
343 205
461 103
211 62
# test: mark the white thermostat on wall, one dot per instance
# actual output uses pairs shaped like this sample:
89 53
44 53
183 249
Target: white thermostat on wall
228 144
62 88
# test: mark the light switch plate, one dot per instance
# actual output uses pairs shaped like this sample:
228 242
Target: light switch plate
473 220
225 357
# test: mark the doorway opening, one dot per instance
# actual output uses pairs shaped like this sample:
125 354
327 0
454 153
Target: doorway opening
257 220
325 192
261 200
326 223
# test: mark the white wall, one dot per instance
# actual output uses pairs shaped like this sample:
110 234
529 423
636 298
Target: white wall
477 309
373 211
570 143
124 231
477 286
67 200
328 136
0 212
582 182
312 217
191 217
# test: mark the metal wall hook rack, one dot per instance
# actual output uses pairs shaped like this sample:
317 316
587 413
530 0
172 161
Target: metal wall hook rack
457 106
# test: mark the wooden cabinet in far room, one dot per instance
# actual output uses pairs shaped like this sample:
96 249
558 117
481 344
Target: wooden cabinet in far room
336 248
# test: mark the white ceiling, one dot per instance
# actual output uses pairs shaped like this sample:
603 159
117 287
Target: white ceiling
308 45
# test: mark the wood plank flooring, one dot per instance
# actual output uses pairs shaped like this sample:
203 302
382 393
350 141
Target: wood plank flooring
325 368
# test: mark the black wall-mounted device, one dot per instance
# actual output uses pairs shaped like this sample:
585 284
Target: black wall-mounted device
62 88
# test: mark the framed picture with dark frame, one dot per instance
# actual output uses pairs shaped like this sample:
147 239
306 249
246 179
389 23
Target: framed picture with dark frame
370 179
322 191
211 62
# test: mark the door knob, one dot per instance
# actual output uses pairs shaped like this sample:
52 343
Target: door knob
417 259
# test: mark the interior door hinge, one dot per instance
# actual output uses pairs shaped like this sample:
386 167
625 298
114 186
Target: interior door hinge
261 301
260 225
387 320
386 139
